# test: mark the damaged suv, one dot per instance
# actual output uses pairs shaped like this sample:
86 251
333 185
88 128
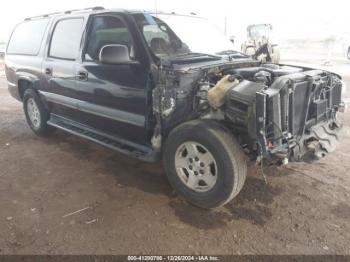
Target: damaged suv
168 86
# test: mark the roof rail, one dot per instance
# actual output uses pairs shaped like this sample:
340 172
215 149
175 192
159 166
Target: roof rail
95 8
41 16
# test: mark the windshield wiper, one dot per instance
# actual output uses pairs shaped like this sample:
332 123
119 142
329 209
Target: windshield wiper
232 53
195 55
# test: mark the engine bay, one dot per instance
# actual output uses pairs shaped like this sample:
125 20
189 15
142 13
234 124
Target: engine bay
274 109
277 112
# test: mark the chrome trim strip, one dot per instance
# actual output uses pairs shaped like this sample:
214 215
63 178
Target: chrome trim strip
11 84
103 111
61 100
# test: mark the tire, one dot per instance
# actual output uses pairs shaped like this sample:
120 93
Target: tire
32 104
276 55
229 163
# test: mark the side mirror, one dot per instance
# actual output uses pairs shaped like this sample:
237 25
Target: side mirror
115 54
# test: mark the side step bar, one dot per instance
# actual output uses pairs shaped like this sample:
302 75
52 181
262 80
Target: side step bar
123 146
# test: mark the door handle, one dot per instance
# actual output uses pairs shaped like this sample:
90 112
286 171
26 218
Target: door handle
82 75
48 71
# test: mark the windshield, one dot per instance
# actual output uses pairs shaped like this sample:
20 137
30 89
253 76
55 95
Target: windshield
174 35
259 31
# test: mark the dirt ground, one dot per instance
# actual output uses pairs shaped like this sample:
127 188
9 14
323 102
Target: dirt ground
128 207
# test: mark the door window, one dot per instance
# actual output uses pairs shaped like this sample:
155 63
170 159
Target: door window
107 30
66 39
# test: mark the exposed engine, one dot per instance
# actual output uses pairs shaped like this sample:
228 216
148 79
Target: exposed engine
285 110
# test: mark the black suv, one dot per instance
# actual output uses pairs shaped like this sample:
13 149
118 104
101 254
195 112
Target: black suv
168 86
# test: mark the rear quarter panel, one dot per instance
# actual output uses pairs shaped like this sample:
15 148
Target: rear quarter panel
25 67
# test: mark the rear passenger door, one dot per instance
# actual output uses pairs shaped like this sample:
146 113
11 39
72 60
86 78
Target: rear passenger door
59 66
113 95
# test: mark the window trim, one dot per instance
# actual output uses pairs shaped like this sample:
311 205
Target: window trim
41 42
88 35
53 32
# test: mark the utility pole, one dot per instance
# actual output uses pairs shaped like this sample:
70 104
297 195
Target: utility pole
225 25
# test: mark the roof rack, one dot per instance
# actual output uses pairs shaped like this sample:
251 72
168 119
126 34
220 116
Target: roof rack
95 8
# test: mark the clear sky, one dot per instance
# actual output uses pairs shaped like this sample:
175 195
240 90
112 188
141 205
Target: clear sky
291 19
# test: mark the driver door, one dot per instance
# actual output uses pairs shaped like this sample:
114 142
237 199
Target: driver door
113 96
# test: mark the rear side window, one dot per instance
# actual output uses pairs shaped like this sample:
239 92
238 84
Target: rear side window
66 38
27 37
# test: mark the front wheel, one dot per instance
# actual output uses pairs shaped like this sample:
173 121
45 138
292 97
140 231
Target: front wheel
204 163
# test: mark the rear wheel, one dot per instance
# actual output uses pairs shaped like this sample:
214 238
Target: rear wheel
36 114
204 163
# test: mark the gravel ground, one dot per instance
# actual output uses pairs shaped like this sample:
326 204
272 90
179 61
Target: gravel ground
127 207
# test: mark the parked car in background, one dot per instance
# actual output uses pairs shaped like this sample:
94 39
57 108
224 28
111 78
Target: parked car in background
167 86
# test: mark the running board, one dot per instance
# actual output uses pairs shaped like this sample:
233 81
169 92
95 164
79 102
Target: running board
126 147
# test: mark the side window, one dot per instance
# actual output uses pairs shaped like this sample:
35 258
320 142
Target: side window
107 30
27 37
66 38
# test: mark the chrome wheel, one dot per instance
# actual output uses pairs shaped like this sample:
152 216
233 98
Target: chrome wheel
196 166
33 113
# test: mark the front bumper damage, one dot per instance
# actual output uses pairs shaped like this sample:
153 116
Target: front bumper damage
320 140
296 118
279 113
